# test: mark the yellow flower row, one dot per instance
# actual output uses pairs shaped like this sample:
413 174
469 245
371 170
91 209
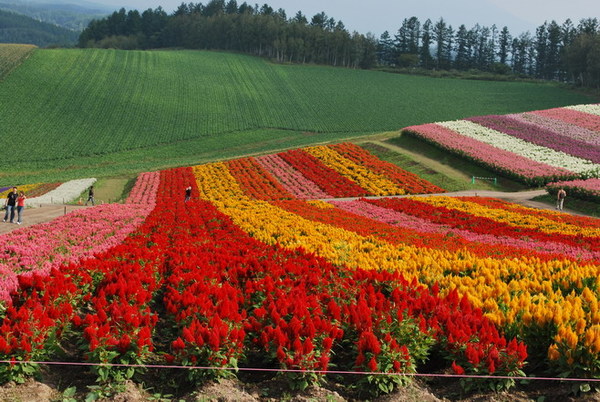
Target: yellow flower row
25 188
508 217
365 178
524 292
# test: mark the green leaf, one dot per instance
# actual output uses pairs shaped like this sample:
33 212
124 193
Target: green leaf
69 392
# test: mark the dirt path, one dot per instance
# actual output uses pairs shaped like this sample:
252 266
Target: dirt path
425 161
33 216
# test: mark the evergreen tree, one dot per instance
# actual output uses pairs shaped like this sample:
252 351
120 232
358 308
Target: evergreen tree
462 49
426 40
385 49
504 42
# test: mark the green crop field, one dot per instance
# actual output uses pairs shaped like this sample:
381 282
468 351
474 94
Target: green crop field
69 113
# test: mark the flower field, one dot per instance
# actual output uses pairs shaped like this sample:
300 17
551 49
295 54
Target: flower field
256 271
534 147
342 170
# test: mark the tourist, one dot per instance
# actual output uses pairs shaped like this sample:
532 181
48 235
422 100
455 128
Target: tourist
20 206
188 193
560 198
10 203
90 196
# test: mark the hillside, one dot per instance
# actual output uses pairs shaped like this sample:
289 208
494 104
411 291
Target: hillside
101 112
74 17
17 28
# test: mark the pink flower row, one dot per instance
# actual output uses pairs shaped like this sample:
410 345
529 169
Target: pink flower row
403 220
291 179
145 189
67 239
488 155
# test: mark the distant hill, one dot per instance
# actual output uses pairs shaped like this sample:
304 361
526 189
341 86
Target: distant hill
17 28
74 17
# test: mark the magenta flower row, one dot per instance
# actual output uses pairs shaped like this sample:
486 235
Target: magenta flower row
570 116
558 126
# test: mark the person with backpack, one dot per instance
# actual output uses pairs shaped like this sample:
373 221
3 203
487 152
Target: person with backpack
560 198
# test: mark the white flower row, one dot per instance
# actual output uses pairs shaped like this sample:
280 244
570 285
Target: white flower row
520 147
591 109
66 192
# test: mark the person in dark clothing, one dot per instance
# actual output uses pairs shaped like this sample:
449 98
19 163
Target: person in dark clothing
188 193
90 196
10 204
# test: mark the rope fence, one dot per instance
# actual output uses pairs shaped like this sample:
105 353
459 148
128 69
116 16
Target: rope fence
256 369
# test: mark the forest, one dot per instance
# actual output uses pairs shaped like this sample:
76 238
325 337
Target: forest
567 52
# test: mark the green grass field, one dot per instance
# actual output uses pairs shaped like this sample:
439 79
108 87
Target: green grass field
69 113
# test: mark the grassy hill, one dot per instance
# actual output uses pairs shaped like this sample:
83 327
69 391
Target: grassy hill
73 113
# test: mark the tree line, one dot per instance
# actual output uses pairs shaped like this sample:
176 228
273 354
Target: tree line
567 52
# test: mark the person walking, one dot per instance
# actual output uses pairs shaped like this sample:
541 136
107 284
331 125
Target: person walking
20 206
188 193
560 198
10 203
90 196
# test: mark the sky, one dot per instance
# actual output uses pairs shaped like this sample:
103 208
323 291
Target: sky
377 16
